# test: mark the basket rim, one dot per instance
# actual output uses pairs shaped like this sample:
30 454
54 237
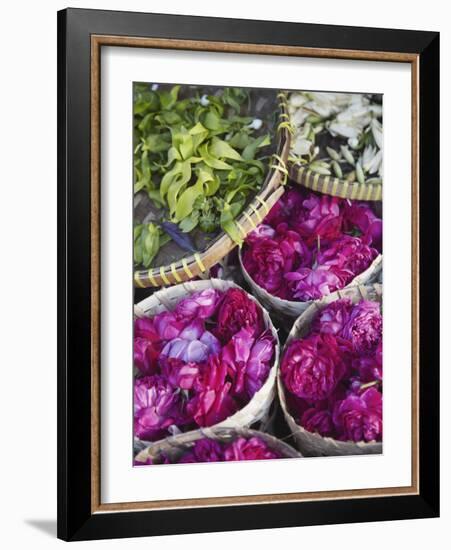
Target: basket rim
317 306
331 185
217 433
193 286
271 190
376 264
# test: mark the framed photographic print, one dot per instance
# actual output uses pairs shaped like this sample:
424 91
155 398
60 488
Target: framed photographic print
248 274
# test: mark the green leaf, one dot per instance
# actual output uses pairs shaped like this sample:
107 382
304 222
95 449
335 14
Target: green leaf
211 160
221 149
251 149
186 200
168 99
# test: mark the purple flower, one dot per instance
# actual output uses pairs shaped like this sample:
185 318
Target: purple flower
312 367
249 449
286 208
364 327
199 305
312 284
349 253
265 263
203 450
262 231
145 328
193 345
155 407
237 311
359 417
259 363
235 355
332 318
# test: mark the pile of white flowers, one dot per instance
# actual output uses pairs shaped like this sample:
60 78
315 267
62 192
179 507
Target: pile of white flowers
354 118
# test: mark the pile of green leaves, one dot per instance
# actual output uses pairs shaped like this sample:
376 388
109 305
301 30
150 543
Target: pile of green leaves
196 158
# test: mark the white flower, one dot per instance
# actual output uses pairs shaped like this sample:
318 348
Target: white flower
154 87
297 100
299 117
204 100
301 146
353 143
256 124
371 159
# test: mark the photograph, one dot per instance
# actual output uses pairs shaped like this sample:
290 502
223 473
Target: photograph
257 232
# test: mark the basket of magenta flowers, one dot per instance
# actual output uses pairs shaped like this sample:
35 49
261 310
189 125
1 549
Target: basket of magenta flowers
216 445
310 246
205 354
330 378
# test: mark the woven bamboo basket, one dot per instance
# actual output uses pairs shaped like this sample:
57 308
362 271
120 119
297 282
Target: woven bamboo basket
174 447
313 444
258 408
176 265
331 185
287 310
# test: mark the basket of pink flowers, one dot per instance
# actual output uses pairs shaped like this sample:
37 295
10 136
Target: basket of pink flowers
216 445
310 246
205 354
330 378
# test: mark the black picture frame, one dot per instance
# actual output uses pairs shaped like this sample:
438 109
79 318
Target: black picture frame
76 520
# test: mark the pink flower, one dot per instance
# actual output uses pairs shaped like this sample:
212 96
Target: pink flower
349 253
235 355
321 218
249 449
237 311
167 325
312 284
178 373
261 232
145 355
332 318
364 327
359 418
312 367
199 305
155 407
212 403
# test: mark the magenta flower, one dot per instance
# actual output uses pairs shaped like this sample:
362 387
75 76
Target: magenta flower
360 215
167 325
318 421
312 367
265 262
286 208
359 417
349 253
155 407
145 328
369 367
237 311
332 318
261 232
312 284
145 355
364 327
212 403
203 450
321 218
199 305
249 449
